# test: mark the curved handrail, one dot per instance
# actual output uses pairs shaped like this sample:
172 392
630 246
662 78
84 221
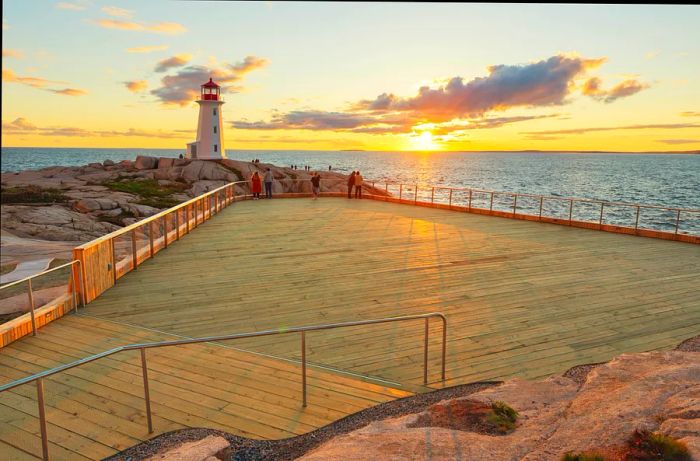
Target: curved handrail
142 347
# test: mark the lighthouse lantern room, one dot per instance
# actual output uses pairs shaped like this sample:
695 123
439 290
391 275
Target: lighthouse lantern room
210 137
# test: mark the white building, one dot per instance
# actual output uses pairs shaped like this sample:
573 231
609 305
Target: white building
210 128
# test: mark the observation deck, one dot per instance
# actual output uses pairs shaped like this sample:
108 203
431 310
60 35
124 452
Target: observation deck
524 299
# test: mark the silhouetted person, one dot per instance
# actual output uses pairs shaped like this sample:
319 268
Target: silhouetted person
358 185
268 183
329 168
316 185
351 184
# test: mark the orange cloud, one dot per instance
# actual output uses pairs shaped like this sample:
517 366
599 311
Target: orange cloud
136 85
166 28
178 60
69 92
183 87
23 126
147 49
117 12
35 82
70 6
8 53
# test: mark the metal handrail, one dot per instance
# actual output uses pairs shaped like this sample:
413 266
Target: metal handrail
30 291
39 377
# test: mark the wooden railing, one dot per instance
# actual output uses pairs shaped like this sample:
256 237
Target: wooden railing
106 259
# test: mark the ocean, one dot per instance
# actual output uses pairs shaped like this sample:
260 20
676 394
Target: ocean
671 180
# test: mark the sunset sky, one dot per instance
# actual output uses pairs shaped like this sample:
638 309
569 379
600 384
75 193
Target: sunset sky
330 76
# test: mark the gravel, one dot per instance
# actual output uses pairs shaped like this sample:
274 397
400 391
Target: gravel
244 449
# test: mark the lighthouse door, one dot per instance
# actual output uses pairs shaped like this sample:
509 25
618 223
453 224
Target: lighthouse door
194 150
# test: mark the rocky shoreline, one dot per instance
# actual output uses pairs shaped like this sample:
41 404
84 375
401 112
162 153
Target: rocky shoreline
79 204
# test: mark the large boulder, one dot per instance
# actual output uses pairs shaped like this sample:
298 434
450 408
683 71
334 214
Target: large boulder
144 162
55 223
165 162
658 391
201 187
87 205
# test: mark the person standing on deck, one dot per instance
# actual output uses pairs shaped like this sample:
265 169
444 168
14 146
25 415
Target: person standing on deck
316 184
358 185
268 183
351 183
256 185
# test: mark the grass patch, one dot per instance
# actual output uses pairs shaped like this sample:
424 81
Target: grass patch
645 445
152 194
502 417
31 194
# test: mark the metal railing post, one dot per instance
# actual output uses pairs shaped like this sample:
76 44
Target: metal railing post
541 202
147 394
636 221
42 419
425 354
470 200
444 345
415 195
31 305
600 222
678 221
450 201
150 236
571 210
303 368
114 260
432 196
491 206
400 191
515 204
134 254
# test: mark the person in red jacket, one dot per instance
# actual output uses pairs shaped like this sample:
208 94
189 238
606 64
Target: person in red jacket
256 185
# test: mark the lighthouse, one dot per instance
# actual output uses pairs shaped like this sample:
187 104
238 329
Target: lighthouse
210 137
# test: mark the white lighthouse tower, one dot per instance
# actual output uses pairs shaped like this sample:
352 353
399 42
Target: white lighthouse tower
210 129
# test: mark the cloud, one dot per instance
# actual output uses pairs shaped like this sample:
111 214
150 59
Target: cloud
679 141
23 126
543 83
690 113
592 88
456 104
8 53
166 28
182 87
136 85
117 12
35 82
69 92
651 55
175 61
659 126
147 49
70 6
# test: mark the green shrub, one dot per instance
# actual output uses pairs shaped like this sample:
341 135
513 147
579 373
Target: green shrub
31 194
649 445
152 194
502 417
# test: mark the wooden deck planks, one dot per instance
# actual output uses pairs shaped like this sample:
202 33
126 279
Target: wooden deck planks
97 409
523 299
505 285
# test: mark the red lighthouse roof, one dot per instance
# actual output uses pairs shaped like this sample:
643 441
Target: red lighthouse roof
210 84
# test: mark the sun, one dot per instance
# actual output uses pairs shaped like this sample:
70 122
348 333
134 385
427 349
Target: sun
424 141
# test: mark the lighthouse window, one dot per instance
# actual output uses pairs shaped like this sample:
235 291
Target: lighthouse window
215 148
214 111
215 130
